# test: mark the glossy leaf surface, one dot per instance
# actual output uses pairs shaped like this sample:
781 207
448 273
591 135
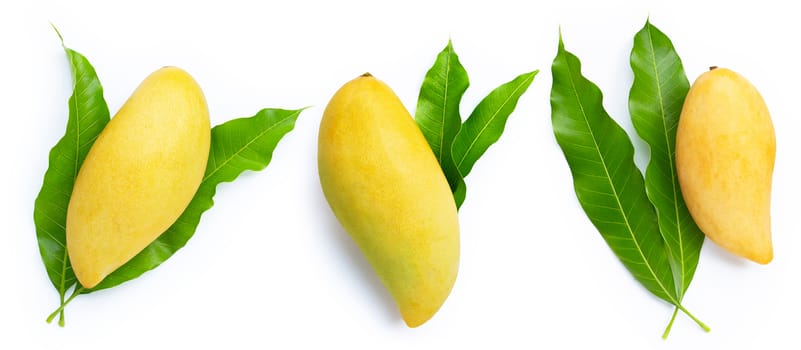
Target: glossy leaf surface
88 115
655 102
485 124
458 145
237 145
608 185
437 112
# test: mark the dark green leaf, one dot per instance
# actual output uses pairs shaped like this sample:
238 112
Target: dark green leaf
485 125
88 115
237 145
609 187
607 183
655 102
437 112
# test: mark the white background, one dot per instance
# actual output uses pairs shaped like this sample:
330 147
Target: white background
269 266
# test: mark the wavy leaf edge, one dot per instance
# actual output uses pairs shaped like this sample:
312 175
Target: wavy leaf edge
668 294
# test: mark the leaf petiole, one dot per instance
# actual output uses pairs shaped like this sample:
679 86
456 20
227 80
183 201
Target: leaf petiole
673 318
700 324
670 324
60 311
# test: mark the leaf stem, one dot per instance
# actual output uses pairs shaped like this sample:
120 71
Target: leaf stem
670 324
700 324
60 311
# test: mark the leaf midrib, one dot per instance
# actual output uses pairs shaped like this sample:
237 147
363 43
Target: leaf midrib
444 106
483 128
63 288
247 145
670 160
614 189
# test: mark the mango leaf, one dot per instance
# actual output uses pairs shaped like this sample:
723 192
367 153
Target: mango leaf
655 102
485 125
237 145
608 185
88 115
457 146
437 112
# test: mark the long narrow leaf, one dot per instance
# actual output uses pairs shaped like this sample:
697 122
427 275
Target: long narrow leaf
88 115
437 112
485 125
237 145
655 101
607 183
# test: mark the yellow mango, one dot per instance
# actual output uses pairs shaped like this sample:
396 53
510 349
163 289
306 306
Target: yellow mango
140 174
386 188
725 150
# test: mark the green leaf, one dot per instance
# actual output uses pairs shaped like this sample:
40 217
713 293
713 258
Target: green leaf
608 185
485 125
237 145
457 146
655 101
88 115
437 112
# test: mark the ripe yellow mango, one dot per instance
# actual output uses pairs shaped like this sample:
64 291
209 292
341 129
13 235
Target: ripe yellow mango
140 174
388 191
725 150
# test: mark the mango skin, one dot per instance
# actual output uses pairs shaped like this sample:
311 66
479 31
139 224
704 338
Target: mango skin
725 152
388 191
140 174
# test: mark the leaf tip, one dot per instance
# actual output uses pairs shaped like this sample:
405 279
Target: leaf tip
60 38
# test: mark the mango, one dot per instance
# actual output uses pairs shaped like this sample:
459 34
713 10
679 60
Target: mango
386 188
140 174
725 151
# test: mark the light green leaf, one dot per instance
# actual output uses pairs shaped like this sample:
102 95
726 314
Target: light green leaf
655 102
485 125
437 112
237 145
88 115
